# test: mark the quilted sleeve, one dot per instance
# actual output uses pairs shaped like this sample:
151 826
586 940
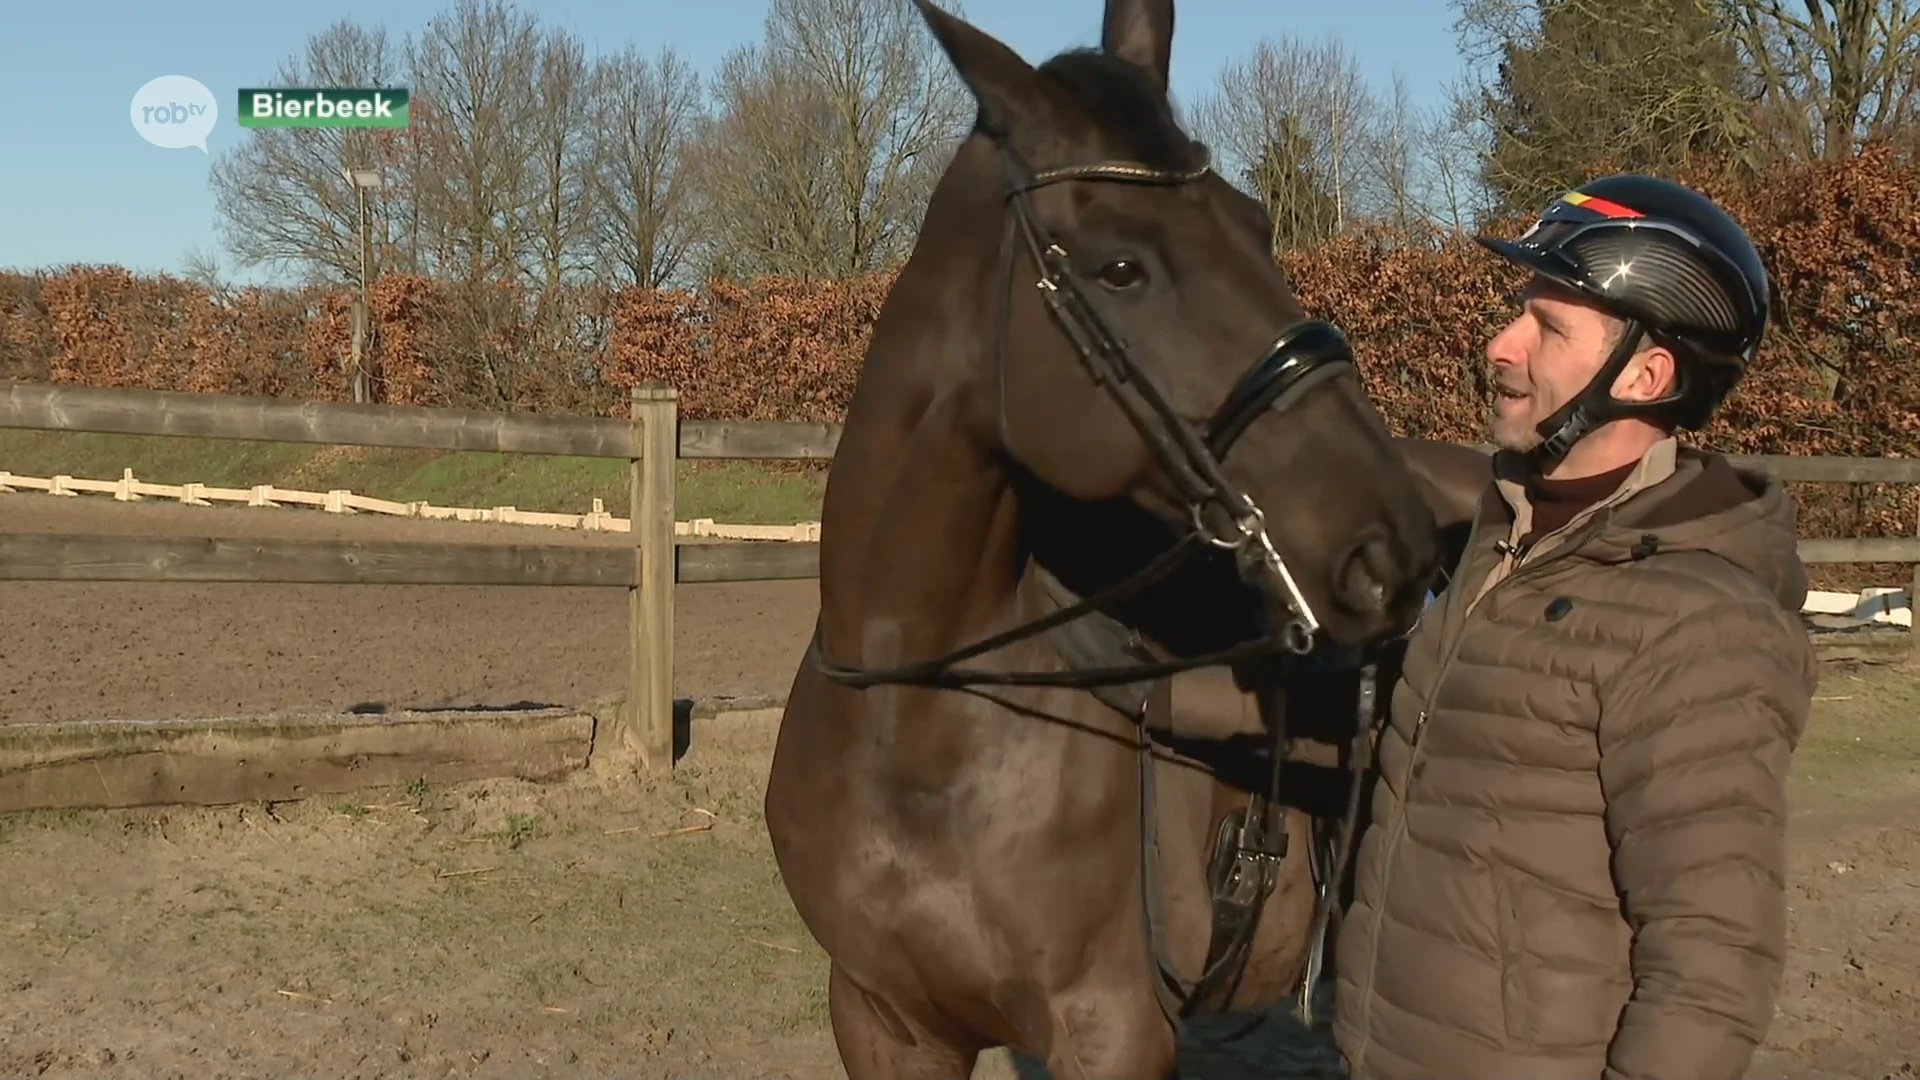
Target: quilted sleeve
1696 738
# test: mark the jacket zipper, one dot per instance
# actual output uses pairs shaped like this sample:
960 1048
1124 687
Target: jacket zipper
1521 569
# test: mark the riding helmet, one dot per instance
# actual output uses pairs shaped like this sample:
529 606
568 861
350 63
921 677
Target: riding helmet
1670 262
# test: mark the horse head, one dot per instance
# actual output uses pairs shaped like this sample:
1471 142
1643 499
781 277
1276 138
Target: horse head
1145 347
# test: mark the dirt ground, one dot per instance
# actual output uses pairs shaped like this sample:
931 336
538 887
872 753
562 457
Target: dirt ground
111 650
606 925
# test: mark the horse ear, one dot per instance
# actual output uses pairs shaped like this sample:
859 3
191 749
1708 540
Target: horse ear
1140 31
1003 84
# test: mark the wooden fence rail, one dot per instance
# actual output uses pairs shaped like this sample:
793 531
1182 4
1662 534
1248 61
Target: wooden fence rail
651 439
645 439
92 557
119 411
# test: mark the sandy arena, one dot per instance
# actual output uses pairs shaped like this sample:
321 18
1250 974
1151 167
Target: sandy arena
606 925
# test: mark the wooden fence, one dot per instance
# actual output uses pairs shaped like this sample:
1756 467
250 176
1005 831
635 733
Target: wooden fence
652 439
646 440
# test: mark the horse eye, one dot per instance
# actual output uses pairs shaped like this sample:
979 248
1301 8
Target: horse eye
1122 274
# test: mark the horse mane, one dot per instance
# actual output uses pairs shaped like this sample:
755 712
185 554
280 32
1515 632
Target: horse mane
1127 102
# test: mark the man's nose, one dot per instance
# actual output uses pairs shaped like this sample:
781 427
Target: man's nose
1502 350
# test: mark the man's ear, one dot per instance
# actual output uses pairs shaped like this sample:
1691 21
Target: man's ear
1652 374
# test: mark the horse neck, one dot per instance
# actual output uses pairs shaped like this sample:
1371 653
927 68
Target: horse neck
920 539
929 534
1201 606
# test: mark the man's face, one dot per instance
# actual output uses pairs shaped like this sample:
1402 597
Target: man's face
1543 358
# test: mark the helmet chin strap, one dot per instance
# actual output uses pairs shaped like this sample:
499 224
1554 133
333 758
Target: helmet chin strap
1593 406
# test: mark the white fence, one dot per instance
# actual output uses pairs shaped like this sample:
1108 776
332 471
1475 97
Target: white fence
1892 607
341 501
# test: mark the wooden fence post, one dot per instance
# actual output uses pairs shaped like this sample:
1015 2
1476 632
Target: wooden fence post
649 724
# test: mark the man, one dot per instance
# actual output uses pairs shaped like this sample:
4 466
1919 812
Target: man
1574 866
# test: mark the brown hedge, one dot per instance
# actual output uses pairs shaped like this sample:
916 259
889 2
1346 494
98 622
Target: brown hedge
1838 376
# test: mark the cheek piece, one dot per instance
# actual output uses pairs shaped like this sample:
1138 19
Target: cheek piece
1595 404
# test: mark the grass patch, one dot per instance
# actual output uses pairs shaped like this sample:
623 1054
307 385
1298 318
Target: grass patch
1864 733
520 829
741 492
221 463
13 824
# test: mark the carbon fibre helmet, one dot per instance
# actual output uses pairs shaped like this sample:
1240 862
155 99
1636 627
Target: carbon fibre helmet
1673 265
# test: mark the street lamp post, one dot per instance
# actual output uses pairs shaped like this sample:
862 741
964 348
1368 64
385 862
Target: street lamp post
362 180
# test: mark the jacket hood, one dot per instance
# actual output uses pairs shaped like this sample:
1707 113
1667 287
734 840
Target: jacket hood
1743 516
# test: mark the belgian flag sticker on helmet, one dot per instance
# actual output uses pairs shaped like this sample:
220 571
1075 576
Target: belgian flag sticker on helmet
1603 207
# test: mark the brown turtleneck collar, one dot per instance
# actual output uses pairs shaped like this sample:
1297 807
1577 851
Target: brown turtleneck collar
1557 502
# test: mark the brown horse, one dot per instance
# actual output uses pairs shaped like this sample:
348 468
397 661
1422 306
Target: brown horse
992 855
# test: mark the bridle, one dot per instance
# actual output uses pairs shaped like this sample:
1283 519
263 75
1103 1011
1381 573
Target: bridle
1224 517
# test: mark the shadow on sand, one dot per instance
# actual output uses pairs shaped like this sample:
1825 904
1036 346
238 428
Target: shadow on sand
1268 1045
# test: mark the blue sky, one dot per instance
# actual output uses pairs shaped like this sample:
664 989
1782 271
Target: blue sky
78 185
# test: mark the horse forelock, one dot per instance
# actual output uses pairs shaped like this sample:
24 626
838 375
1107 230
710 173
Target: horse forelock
1127 104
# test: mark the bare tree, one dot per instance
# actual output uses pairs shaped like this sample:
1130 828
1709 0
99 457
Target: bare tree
473 175
201 266
559 216
1830 75
827 139
760 177
1448 162
282 196
1390 163
1293 119
478 181
1345 113
648 109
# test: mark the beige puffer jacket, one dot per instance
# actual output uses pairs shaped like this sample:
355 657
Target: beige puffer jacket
1576 857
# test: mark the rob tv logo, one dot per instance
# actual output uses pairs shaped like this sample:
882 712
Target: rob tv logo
175 112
